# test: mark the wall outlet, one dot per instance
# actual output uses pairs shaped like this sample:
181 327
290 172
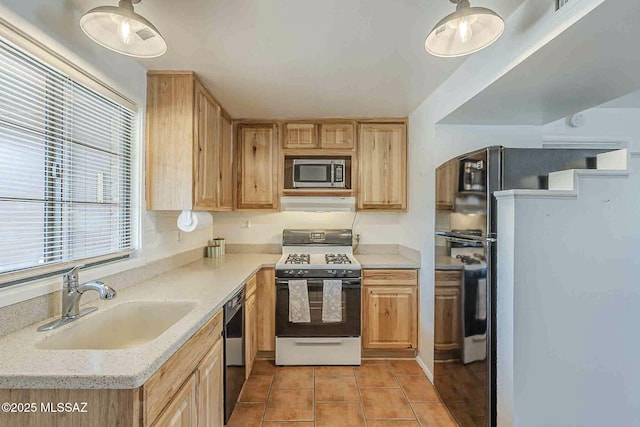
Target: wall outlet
357 238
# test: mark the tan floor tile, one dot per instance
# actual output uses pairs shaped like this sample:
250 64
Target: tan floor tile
376 376
419 389
406 367
385 403
293 377
288 424
256 389
332 371
339 415
290 405
263 367
337 389
366 362
433 415
246 415
390 423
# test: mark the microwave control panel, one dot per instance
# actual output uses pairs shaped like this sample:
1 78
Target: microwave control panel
339 173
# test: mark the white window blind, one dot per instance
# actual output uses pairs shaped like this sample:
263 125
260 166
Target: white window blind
65 169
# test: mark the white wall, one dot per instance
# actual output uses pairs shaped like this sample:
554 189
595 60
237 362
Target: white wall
374 228
531 26
601 124
568 306
55 24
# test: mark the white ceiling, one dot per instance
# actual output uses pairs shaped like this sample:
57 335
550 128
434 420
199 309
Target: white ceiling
305 58
592 62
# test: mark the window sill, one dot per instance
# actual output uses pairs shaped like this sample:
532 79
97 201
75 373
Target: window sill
33 289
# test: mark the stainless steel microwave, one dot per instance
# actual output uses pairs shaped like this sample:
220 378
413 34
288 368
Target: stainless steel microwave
318 173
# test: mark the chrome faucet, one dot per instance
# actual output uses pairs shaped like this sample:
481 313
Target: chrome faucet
71 294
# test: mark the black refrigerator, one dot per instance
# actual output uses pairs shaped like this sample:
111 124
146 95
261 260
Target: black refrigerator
466 227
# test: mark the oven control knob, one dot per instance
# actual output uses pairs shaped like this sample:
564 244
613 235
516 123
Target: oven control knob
343 273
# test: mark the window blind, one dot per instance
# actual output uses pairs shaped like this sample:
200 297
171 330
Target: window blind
65 168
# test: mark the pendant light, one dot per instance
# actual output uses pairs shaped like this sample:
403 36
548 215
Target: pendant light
465 31
122 30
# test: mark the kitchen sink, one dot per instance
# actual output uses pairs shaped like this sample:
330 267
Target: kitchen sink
126 325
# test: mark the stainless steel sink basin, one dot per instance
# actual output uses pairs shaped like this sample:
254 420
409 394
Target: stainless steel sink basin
124 326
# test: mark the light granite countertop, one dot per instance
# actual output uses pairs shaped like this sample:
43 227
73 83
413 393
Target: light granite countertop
386 261
448 263
209 283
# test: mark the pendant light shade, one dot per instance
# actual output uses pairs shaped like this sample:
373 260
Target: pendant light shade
122 30
465 31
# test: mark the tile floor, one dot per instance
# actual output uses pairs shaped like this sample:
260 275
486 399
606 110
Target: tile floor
380 393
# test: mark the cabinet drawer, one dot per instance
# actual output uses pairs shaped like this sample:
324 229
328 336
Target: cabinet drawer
250 288
159 390
448 278
390 277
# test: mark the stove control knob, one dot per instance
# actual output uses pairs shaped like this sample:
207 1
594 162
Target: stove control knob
343 273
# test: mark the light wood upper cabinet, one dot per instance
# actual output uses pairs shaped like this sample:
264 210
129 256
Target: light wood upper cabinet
185 145
225 178
207 150
390 309
300 135
382 164
257 163
211 388
183 409
447 185
337 136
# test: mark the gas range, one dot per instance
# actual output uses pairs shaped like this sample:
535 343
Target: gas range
318 255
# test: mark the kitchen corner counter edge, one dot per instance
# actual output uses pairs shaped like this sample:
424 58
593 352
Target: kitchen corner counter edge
208 282
390 261
448 263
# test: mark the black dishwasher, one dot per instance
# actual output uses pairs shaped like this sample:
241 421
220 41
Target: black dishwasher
234 362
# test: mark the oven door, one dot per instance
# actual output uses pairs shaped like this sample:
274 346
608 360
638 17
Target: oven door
349 327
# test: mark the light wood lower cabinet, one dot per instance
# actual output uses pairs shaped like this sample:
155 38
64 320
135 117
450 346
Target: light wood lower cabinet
250 326
390 309
447 315
266 301
211 388
183 409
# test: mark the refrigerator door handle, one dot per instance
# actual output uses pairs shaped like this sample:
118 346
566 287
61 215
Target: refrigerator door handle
465 238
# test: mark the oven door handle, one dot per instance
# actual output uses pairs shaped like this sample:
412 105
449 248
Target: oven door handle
319 342
346 284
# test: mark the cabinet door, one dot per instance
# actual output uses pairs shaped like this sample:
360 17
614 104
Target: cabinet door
390 319
257 168
300 136
447 185
266 301
382 162
210 388
337 136
182 411
225 178
448 322
250 333
207 147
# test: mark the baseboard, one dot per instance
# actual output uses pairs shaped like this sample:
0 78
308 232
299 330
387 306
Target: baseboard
426 370
388 354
